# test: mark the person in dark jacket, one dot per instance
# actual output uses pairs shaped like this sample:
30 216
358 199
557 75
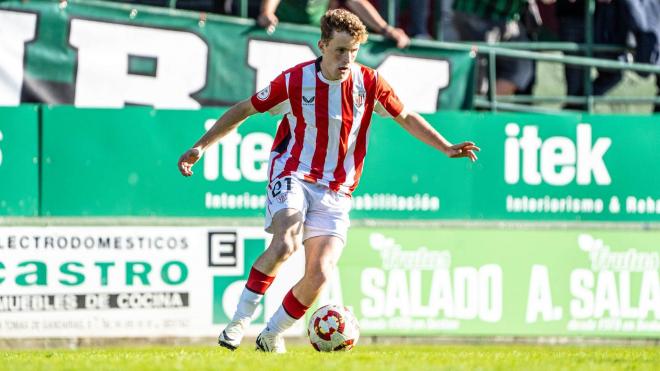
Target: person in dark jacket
644 22
609 28
494 21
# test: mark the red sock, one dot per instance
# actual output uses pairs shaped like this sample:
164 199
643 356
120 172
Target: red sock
292 306
258 282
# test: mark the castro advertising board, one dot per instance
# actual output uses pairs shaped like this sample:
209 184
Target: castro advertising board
497 282
130 281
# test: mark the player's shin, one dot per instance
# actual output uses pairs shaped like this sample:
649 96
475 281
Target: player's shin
287 314
254 290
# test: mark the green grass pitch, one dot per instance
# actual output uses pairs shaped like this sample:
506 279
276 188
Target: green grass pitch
365 357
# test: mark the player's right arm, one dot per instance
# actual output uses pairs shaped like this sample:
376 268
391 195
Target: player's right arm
267 99
231 119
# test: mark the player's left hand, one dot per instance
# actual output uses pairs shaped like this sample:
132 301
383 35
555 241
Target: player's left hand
465 149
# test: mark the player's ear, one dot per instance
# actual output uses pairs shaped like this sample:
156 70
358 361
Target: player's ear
321 44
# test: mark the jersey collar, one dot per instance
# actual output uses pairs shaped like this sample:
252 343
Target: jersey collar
322 78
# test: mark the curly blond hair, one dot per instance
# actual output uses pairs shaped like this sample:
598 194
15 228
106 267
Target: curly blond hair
342 20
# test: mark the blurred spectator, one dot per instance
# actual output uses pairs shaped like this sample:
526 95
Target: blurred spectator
416 14
644 20
609 28
419 19
310 12
494 21
446 20
656 107
211 6
233 7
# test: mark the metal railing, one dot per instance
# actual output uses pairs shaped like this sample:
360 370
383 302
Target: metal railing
512 102
588 48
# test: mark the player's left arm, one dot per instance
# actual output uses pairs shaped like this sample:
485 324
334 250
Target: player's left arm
422 130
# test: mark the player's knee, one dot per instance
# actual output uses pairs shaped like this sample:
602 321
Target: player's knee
321 274
284 246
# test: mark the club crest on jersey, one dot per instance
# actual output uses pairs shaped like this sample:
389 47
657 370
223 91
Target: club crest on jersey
308 101
359 96
264 93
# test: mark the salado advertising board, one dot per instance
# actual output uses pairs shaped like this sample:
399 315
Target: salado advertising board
185 281
470 281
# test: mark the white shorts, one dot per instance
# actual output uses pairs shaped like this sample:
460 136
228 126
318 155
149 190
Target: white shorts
325 212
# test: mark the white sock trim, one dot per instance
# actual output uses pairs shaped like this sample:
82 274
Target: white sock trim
280 321
247 305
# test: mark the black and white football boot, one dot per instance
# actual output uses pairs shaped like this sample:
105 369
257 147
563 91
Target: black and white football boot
270 342
232 335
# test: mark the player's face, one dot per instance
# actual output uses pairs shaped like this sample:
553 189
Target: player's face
338 55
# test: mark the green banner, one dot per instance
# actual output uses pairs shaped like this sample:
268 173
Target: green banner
101 54
532 167
19 166
496 282
124 162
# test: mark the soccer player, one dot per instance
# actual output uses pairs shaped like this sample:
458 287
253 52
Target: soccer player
315 164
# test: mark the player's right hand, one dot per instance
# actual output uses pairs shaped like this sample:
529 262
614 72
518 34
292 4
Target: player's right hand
188 159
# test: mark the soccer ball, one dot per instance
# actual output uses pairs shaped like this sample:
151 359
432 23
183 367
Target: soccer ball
333 328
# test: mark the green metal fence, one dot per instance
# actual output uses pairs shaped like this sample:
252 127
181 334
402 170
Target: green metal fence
495 102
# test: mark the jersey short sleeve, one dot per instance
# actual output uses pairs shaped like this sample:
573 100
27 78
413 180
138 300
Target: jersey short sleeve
387 103
272 96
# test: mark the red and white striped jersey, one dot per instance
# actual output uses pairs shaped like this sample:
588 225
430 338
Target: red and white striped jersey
323 135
